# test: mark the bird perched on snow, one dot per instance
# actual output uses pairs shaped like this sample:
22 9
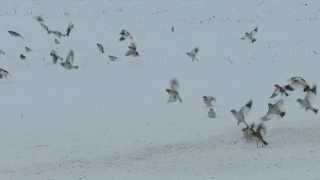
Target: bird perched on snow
193 54
253 132
281 90
211 113
68 63
274 110
3 73
240 115
250 35
173 91
306 102
132 50
208 100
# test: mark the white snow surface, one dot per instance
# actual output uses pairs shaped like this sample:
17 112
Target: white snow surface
111 120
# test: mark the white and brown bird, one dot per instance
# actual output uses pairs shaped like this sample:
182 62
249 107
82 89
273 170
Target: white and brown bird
240 115
255 133
250 35
282 90
193 54
100 48
275 109
173 91
306 102
208 100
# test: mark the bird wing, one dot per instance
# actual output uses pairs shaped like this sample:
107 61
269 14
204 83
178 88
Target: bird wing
310 97
241 119
70 27
245 109
132 46
45 27
275 93
100 47
289 87
70 57
112 58
15 34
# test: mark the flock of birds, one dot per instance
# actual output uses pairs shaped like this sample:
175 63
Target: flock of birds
253 132
68 61
250 131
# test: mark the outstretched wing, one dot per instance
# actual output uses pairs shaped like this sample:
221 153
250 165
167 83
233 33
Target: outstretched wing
70 27
289 87
70 57
310 97
45 27
275 93
241 119
15 34
100 48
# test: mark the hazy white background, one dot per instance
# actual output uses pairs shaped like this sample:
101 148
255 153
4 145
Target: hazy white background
111 120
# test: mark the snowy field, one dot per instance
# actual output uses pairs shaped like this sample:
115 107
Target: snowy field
111 120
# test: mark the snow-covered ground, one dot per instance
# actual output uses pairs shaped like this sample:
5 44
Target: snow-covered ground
111 120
